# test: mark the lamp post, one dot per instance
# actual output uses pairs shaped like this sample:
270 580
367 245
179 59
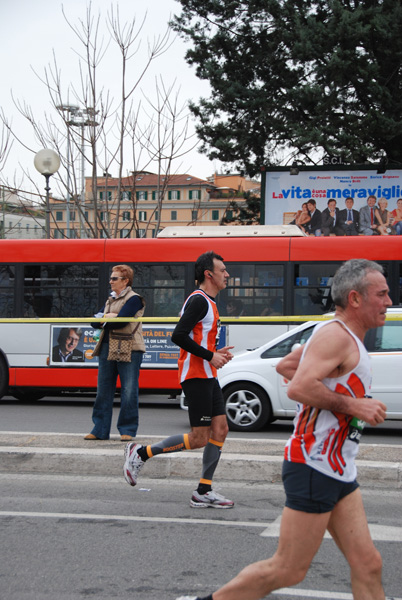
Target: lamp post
47 162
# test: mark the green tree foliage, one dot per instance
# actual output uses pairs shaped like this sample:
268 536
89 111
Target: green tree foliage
246 212
302 78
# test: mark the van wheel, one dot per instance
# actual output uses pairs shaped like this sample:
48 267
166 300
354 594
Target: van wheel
3 378
247 406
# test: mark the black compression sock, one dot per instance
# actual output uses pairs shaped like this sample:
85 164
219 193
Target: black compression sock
142 453
202 489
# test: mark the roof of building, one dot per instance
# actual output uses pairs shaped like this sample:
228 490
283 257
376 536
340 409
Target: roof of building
147 179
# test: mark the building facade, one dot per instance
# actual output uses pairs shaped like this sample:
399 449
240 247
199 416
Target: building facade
19 218
138 206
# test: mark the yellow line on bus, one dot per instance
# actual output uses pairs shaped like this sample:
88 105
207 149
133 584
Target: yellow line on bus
276 319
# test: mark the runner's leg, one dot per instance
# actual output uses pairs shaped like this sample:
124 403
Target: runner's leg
348 526
300 537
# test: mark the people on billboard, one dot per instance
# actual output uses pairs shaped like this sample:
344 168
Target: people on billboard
67 342
368 221
330 220
349 218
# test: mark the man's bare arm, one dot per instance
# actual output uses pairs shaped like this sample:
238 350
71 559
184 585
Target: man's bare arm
287 366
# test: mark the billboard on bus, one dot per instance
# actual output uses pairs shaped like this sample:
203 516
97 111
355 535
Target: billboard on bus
73 345
283 193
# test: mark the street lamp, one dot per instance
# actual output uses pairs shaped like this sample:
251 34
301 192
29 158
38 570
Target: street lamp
47 162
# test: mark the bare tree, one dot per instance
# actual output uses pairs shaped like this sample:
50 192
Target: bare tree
95 132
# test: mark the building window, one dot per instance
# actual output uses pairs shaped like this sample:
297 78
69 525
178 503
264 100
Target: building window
141 233
86 215
72 215
142 215
215 215
195 194
229 214
126 196
173 215
105 196
142 195
124 233
174 195
156 215
126 215
59 215
103 216
27 226
194 215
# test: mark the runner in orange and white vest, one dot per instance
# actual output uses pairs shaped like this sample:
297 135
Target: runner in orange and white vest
197 334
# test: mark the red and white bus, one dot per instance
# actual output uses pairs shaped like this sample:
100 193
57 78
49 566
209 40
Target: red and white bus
274 272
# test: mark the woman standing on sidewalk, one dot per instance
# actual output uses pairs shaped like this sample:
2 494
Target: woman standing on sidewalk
123 302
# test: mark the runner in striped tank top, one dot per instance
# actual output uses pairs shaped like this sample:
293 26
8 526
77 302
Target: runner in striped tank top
197 335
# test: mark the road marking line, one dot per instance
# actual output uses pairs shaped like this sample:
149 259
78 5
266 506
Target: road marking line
379 533
96 517
319 594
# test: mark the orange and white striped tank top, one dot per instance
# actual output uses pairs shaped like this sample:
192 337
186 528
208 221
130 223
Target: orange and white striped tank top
326 440
205 334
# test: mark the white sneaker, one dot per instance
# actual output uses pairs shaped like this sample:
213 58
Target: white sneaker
187 598
133 463
212 499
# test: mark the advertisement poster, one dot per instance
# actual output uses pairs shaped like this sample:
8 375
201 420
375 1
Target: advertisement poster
285 193
73 346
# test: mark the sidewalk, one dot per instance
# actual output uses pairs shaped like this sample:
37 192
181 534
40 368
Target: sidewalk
252 460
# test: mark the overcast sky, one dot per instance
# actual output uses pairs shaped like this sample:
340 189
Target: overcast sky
33 29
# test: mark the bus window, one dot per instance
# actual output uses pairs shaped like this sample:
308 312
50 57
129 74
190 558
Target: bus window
7 275
162 286
61 290
311 287
253 290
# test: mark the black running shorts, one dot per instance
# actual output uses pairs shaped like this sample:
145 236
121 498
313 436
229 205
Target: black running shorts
205 400
310 491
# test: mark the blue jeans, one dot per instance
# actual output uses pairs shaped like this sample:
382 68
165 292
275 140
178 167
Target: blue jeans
398 228
127 423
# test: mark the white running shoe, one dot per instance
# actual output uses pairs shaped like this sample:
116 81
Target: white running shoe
187 598
212 499
133 463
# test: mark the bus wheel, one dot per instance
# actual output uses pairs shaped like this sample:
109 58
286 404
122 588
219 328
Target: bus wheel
28 395
3 378
247 406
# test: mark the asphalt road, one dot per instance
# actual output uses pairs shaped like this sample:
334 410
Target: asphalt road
71 536
157 417
90 537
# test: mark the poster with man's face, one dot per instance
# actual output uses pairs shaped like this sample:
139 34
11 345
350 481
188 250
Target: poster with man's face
72 345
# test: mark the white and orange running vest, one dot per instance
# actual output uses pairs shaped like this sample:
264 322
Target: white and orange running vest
326 440
205 333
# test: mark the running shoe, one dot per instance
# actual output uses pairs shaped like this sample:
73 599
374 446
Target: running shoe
133 463
187 598
212 499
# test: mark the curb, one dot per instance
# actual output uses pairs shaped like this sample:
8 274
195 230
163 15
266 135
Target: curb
246 459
